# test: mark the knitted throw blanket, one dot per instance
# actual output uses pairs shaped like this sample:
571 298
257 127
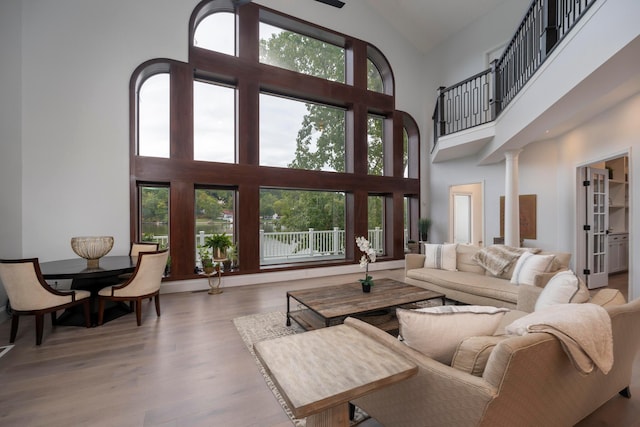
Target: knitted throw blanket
496 259
584 330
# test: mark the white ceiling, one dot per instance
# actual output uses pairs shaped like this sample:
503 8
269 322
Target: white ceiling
426 23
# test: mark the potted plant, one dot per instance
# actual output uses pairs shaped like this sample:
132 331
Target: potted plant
369 255
423 228
219 244
207 265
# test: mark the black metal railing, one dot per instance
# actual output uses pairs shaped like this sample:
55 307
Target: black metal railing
480 98
465 104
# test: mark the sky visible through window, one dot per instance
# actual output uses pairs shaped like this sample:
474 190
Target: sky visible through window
153 117
280 120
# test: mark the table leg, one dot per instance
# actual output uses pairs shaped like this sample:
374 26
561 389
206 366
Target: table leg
337 416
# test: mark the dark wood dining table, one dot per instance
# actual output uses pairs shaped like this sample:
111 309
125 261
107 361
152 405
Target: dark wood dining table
76 268
91 279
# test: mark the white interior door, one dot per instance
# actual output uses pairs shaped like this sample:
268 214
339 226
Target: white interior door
596 227
466 214
462 218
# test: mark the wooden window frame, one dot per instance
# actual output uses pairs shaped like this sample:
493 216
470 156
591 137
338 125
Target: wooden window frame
244 71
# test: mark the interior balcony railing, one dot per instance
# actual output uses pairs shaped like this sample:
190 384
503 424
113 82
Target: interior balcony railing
481 98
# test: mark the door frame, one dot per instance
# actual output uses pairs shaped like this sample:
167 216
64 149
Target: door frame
580 210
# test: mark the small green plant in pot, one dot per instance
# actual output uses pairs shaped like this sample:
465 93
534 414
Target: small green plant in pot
424 224
205 259
219 243
207 265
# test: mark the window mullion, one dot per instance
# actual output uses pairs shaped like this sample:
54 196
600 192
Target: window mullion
181 100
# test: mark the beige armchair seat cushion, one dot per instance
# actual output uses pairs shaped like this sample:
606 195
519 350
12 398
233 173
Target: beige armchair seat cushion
473 352
437 331
34 296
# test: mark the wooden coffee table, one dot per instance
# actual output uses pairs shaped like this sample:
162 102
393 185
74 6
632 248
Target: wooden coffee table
330 305
319 372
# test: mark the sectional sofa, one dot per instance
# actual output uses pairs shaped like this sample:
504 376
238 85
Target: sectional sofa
470 283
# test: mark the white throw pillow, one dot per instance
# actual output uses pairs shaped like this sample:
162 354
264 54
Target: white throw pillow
437 331
528 266
563 288
442 257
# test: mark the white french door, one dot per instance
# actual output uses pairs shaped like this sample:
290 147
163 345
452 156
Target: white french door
596 227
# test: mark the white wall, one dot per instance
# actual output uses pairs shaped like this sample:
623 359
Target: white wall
77 57
464 54
10 135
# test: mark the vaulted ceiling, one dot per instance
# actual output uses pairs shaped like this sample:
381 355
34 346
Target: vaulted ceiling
426 23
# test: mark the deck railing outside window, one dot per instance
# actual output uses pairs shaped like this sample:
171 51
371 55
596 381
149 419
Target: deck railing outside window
296 245
480 99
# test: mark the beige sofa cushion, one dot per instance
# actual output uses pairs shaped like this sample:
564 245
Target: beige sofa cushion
565 287
465 261
472 353
469 283
528 265
438 256
437 331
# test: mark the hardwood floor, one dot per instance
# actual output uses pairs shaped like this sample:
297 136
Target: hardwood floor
186 368
620 281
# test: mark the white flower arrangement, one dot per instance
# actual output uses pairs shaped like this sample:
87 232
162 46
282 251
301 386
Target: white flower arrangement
369 256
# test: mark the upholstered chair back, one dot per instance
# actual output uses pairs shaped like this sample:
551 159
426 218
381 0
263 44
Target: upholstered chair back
147 277
26 288
138 247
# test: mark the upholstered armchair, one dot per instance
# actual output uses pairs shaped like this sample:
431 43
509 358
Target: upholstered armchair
30 294
136 249
144 283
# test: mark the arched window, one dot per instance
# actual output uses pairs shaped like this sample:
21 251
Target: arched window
216 32
270 134
154 116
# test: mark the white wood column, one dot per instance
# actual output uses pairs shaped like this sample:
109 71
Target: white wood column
511 200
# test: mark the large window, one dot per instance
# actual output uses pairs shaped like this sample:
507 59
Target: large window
270 135
213 122
375 137
301 135
375 220
301 226
216 32
214 215
153 118
154 214
304 54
